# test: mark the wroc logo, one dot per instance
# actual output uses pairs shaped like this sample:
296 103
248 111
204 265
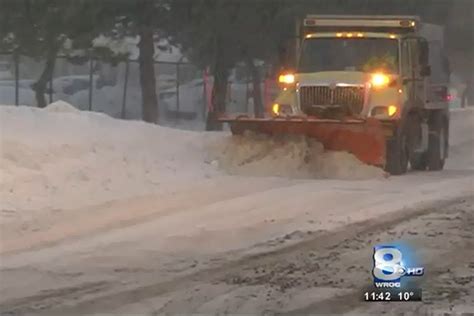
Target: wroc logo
389 267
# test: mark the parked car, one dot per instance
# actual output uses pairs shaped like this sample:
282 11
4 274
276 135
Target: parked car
5 71
70 85
192 100
26 96
165 82
22 83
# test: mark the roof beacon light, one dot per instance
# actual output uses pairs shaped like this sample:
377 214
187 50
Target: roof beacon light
407 23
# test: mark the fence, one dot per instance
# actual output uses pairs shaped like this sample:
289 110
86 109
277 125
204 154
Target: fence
97 85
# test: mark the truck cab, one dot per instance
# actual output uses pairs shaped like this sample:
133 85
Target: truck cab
388 68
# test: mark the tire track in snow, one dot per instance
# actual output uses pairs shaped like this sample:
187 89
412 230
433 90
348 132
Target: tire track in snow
110 300
118 214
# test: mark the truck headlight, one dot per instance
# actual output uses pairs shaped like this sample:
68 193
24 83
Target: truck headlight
287 79
379 80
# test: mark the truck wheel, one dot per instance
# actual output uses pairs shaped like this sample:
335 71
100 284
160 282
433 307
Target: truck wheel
437 143
418 160
397 154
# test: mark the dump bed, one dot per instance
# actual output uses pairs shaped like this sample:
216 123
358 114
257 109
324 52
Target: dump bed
438 61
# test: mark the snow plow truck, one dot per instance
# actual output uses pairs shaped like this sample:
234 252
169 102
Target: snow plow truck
374 86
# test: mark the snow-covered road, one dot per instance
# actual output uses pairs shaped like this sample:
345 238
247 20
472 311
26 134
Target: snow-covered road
101 215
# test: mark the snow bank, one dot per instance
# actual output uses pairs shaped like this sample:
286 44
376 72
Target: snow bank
61 106
289 156
60 157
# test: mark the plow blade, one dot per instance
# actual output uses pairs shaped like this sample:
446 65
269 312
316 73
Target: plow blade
363 138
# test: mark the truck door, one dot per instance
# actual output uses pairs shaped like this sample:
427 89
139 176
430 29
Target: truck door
413 82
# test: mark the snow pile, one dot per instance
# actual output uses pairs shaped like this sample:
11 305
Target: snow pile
288 156
60 157
61 106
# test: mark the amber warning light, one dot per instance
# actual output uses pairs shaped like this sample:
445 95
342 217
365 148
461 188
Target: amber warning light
286 79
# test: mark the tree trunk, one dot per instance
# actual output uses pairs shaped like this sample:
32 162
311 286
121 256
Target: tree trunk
219 93
218 99
147 66
256 91
40 86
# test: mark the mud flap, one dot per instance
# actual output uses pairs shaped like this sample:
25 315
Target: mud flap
363 138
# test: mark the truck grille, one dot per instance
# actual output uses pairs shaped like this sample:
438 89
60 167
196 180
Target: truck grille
351 98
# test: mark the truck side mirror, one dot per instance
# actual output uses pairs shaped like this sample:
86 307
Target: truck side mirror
425 71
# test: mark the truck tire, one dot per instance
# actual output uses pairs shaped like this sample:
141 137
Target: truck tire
418 160
437 144
396 162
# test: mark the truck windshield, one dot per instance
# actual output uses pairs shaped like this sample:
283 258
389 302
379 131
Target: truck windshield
349 54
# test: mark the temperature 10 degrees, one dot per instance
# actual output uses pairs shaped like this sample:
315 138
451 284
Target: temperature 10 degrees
405 296
378 295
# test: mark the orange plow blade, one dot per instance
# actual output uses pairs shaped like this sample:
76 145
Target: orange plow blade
363 138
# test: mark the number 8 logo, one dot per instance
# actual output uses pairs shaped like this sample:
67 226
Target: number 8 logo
387 264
